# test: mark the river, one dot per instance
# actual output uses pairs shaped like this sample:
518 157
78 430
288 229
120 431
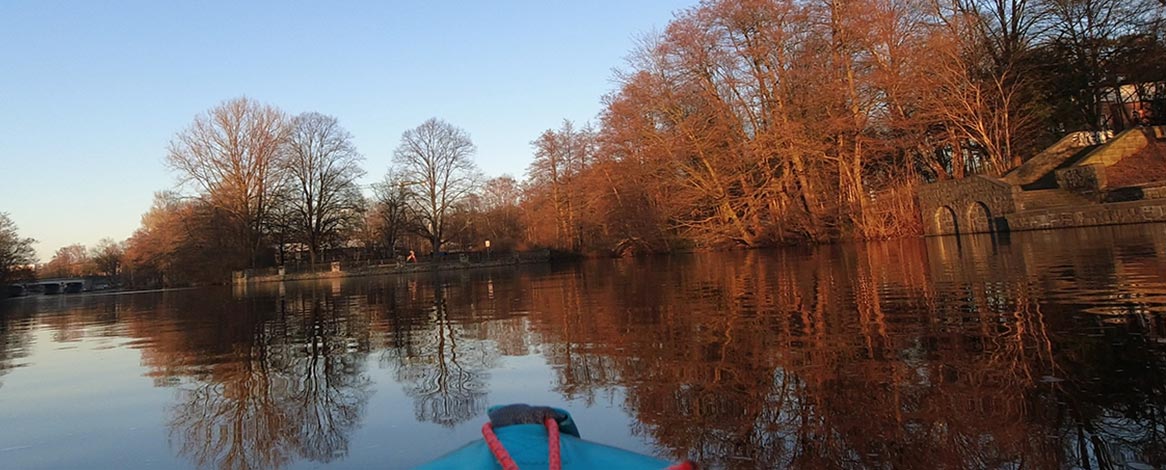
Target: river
1037 350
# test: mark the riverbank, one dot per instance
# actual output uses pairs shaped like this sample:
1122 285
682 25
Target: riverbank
342 269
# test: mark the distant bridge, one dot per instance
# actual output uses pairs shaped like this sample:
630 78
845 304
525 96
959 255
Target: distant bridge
64 285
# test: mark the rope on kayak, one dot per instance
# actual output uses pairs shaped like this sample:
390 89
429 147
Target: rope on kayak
497 449
554 458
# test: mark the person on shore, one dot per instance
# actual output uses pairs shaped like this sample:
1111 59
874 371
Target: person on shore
412 257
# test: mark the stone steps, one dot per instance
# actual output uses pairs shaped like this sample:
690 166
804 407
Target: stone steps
1048 199
1068 157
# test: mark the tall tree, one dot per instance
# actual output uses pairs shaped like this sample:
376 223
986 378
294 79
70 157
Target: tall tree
323 166
16 252
560 156
181 241
1088 37
390 208
984 95
502 192
501 220
436 158
232 155
152 252
107 257
68 261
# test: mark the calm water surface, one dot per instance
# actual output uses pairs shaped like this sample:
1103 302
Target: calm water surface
1045 350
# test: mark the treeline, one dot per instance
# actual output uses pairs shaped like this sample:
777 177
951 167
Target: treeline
273 189
757 122
744 123
16 253
259 187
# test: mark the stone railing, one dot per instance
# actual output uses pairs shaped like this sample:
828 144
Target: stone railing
1088 138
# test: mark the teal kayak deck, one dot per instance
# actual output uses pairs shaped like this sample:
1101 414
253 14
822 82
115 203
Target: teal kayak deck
516 429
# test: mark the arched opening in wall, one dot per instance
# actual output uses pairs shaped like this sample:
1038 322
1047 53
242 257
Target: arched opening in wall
945 222
979 218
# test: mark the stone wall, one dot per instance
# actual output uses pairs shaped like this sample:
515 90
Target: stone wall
1135 212
1154 192
970 205
986 204
1086 180
1135 193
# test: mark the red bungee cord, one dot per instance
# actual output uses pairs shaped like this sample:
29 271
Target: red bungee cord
556 461
497 449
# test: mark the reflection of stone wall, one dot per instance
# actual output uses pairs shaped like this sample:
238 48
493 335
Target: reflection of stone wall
962 197
1135 212
1086 180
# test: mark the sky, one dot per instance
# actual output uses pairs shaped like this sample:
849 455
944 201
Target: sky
91 93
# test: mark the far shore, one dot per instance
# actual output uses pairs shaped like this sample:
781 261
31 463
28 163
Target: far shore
356 269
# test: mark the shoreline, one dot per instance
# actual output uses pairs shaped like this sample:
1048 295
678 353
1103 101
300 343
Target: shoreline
339 270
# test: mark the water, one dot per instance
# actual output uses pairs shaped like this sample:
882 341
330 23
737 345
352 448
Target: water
1045 350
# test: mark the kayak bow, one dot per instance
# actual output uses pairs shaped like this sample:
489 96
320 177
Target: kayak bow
541 438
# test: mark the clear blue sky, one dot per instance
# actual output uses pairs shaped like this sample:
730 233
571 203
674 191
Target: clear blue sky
91 92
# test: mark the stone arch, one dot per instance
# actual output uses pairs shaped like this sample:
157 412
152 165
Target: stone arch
946 222
979 218
996 198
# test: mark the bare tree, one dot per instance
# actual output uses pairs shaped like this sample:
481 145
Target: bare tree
559 158
983 86
282 226
182 241
1002 29
323 166
501 215
1087 38
391 207
71 260
15 252
107 257
231 154
502 192
436 157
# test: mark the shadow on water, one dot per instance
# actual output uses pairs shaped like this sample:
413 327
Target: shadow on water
1039 350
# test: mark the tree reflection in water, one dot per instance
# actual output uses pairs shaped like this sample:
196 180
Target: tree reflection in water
441 358
1044 351
15 339
882 356
287 385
